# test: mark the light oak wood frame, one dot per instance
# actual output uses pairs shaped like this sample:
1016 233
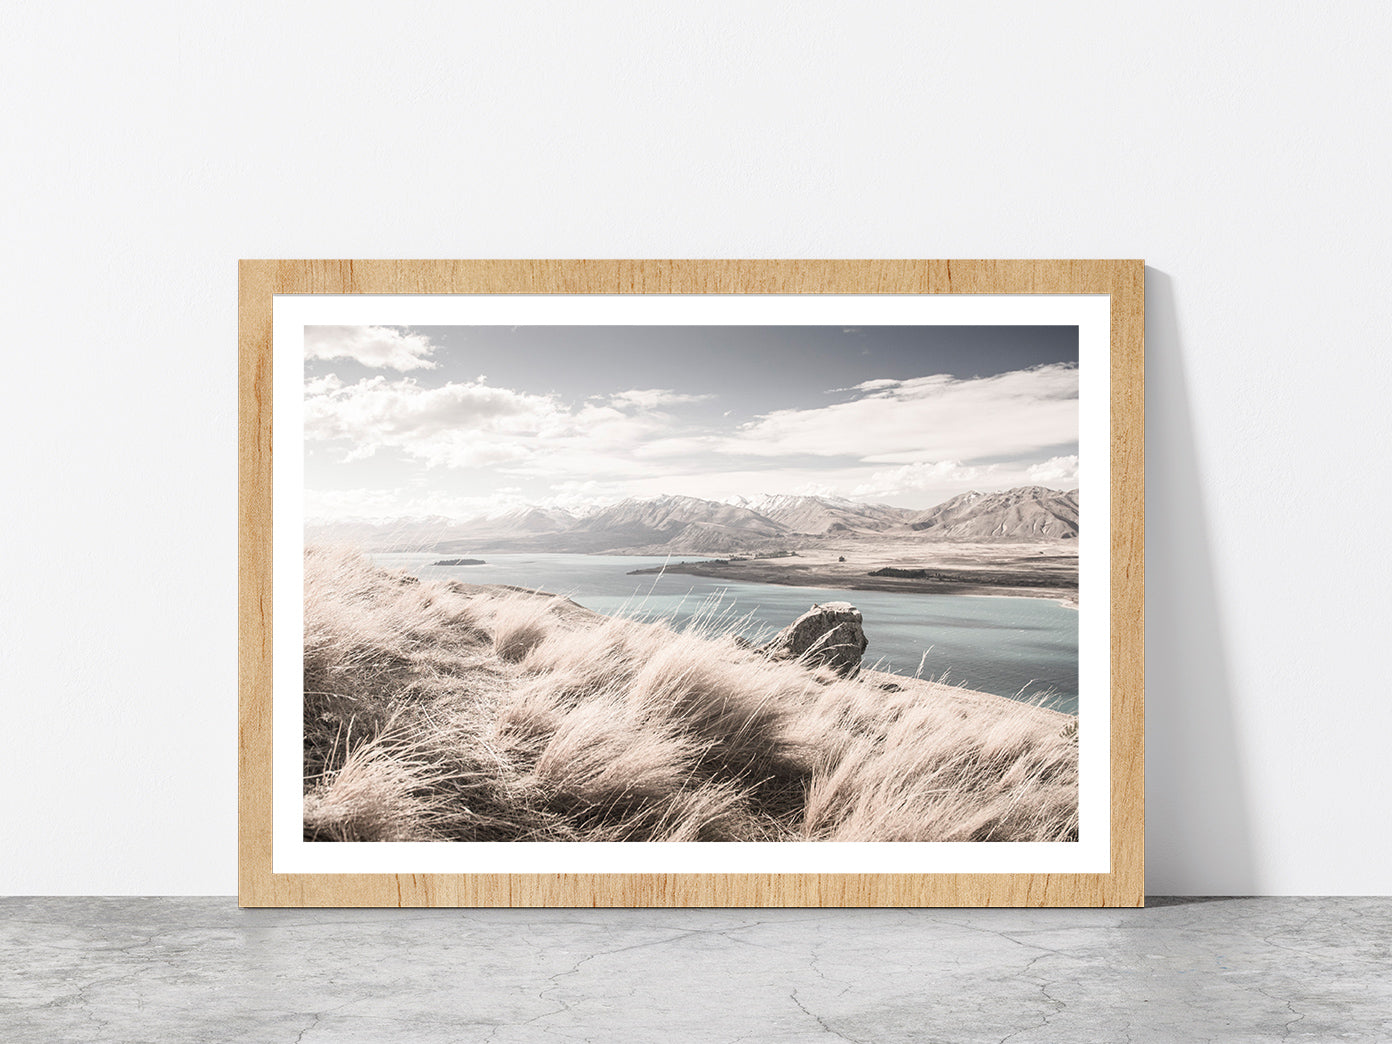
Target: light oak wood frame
1124 281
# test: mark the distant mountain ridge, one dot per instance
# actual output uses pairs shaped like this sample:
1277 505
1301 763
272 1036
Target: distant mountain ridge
673 524
1024 513
820 515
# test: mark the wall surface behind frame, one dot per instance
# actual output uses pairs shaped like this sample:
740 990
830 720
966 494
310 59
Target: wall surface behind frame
1241 150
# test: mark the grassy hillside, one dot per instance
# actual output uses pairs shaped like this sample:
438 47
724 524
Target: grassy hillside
441 711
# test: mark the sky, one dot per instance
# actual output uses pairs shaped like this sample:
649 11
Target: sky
462 421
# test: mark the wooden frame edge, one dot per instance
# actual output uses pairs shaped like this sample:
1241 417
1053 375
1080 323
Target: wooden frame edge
260 280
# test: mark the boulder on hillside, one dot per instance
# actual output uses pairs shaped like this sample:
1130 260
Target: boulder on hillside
830 635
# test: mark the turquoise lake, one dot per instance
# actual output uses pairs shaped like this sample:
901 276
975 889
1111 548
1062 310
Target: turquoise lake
1016 647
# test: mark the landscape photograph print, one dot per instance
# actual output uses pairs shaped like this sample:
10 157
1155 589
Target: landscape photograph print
625 583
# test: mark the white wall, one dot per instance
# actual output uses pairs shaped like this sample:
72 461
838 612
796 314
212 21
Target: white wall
1243 151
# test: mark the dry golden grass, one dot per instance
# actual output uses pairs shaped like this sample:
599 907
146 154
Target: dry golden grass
440 711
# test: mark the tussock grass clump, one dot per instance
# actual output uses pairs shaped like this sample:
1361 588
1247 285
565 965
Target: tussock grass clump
381 792
441 711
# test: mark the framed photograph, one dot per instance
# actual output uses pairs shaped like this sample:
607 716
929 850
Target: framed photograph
691 583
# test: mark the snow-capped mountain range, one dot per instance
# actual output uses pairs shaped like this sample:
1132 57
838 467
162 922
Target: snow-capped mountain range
690 525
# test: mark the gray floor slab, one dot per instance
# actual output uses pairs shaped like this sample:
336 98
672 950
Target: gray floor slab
1230 970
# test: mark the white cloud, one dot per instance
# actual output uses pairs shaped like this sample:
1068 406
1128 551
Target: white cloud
1056 469
385 504
581 496
926 418
468 424
877 384
472 424
921 476
378 347
399 503
651 398
910 442
317 386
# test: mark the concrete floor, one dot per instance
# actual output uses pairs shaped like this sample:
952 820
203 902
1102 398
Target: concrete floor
175 970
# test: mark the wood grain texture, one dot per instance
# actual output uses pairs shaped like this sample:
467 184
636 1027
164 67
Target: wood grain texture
259 280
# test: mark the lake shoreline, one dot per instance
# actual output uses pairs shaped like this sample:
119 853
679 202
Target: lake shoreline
945 581
987 635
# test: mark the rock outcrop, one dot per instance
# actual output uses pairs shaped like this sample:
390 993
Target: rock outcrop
830 635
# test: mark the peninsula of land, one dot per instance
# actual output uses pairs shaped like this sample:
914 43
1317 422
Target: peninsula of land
1015 570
